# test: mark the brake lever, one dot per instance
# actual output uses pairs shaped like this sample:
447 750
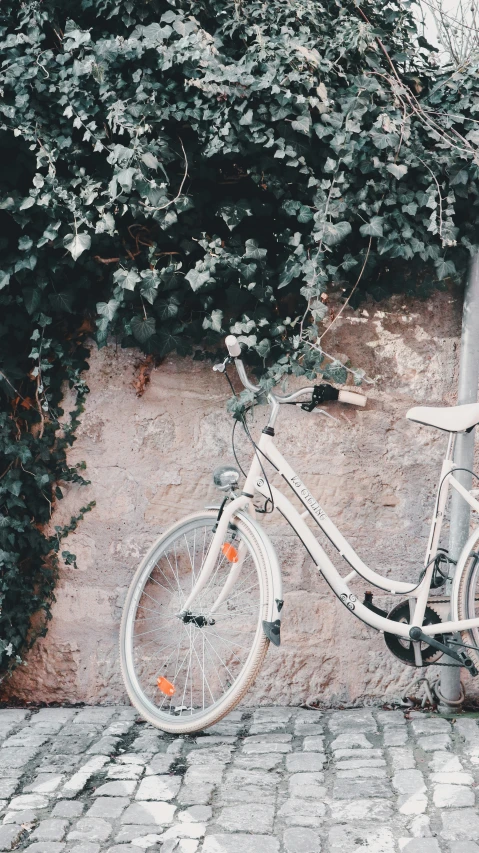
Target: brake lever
220 368
326 415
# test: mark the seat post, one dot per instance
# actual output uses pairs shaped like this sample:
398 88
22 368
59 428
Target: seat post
450 446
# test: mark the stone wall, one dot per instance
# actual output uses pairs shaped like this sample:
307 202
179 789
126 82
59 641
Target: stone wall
150 461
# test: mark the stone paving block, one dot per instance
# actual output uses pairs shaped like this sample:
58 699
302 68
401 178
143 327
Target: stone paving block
373 838
379 810
301 840
90 829
159 788
28 801
125 771
431 726
104 746
68 808
13 715
160 763
460 824
259 762
45 847
25 816
273 712
307 786
402 759
362 773
349 789
277 737
354 763
85 847
458 778
45 783
196 794
307 762
129 832
57 715
408 782
263 727
248 786
340 754
299 812
445 762
313 743
10 835
453 796
194 814
109 808
361 720
52 829
212 740
14 757
304 729
240 843
259 748
245 817
391 718
100 716
123 788
8 787
464 847
147 812
351 740
432 743
79 779
395 737
419 845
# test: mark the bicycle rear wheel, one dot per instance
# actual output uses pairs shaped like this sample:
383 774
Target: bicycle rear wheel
183 676
468 593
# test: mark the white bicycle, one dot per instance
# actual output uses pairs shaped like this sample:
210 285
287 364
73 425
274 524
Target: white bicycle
207 599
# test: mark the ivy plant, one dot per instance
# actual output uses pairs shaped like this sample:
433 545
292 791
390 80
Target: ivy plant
176 170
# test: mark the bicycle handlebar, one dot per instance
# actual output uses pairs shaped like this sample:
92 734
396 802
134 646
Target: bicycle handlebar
234 350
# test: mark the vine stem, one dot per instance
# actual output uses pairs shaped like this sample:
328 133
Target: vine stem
333 321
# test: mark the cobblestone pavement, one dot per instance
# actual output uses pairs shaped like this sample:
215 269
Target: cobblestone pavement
265 781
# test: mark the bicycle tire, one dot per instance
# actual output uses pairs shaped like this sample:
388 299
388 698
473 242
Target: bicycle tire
468 592
161 715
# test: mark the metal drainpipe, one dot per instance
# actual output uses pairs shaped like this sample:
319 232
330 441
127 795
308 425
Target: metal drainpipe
449 684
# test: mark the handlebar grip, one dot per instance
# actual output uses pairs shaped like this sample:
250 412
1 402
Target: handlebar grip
233 346
352 398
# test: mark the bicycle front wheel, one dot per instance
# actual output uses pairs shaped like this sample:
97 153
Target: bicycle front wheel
183 676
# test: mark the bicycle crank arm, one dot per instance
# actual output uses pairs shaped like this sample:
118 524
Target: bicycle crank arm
418 636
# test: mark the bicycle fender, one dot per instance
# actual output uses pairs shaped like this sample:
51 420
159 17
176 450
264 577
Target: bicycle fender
272 624
471 543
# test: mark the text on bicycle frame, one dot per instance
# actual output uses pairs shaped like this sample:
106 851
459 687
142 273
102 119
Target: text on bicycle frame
307 498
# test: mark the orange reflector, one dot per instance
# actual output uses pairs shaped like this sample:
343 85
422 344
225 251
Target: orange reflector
166 686
230 552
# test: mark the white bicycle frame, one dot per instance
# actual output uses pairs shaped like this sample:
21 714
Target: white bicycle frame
257 484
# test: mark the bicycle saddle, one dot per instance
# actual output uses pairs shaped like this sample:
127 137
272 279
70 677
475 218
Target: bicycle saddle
447 418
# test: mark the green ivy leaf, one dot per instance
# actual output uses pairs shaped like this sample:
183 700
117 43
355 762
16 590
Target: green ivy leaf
76 244
333 233
252 251
373 228
108 309
127 279
397 170
143 328
196 279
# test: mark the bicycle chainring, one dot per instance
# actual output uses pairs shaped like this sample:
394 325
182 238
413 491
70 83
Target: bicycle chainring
403 648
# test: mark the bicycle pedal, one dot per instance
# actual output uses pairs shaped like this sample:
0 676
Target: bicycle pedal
468 663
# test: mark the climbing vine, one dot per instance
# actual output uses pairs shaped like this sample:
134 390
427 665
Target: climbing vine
175 170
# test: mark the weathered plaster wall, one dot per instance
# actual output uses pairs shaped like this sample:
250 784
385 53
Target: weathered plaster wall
150 461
